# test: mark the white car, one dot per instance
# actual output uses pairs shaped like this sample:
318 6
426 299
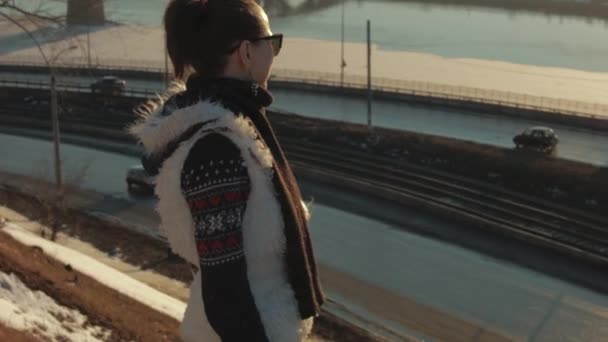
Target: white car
138 178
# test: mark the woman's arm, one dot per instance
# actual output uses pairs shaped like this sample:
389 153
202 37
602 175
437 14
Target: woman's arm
216 185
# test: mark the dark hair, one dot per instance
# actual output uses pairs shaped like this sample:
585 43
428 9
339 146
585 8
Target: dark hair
200 33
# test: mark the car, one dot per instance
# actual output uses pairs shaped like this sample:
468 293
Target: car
139 179
110 85
538 138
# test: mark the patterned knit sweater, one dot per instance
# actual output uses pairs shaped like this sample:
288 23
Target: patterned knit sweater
216 186
246 229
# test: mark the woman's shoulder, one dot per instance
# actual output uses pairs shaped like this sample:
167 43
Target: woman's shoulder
216 143
213 146
216 157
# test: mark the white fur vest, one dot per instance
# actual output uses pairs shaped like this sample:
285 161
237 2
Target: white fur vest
263 226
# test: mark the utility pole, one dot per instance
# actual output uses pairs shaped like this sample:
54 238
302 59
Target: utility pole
166 67
89 45
55 117
369 77
342 62
55 120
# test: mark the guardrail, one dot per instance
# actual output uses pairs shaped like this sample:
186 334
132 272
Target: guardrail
76 87
385 85
82 63
449 92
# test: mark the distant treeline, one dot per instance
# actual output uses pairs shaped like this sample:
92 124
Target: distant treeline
581 8
587 9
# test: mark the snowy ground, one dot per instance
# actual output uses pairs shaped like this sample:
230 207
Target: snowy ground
38 314
24 309
101 272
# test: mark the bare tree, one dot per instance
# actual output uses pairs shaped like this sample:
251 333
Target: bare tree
11 10
33 21
56 206
30 20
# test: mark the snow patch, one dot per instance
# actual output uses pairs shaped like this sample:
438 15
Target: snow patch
102 273
24 309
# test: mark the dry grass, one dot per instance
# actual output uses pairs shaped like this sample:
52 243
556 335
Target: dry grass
12 335
145 252
105 307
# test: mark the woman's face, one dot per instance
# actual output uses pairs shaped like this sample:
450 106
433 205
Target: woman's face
262 55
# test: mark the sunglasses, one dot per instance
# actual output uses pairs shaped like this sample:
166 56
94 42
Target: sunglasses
276 40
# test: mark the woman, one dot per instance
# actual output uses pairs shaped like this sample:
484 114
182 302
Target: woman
228 200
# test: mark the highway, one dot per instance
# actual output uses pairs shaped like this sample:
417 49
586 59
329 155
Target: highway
575 144
402 280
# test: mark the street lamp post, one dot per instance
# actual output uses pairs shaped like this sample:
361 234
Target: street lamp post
55 121
342 63
369 76
166 76
55 117
89 45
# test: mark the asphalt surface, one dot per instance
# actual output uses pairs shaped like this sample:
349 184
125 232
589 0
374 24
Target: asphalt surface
574 143
400 276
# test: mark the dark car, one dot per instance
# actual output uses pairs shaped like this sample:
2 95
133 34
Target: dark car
139 179
110 85
537 138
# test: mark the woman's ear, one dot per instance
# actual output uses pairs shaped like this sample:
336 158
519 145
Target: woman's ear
245 53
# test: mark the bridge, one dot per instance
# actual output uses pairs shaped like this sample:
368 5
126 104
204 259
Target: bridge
85 12
91 12
283 7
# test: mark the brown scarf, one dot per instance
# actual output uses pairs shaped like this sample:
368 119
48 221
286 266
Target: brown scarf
251 100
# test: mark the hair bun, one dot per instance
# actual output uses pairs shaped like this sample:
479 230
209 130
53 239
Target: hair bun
199 32
194 6
197 4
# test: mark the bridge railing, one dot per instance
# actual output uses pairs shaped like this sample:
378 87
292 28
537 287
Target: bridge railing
75 87
449 92
386 85
83 63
